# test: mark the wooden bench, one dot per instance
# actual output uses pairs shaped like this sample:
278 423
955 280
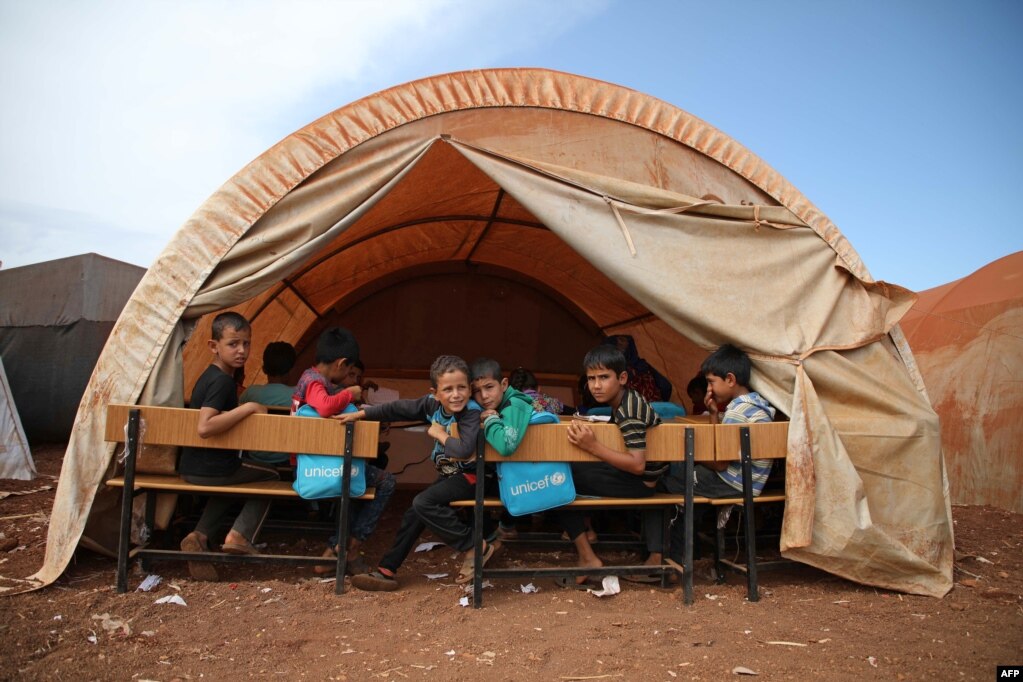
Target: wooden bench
273 433
670 442
549 443
746 442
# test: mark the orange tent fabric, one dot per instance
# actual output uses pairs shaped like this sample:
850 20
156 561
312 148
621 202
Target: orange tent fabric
967 337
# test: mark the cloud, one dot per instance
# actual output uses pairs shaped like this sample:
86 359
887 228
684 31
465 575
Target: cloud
124 116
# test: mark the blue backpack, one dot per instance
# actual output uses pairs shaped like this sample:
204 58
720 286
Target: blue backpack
319 476
531 487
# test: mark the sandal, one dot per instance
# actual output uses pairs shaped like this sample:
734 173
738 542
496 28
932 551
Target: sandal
242 546
644 578
375 582
569 583
468 570
355 565
199 570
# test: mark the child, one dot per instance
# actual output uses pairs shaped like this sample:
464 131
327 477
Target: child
278 359
619 474
320 385
727 371
356 378
505 417
447 404
216 397
336 352
523 380
696 389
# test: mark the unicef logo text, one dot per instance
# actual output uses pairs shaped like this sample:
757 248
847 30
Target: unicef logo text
547 481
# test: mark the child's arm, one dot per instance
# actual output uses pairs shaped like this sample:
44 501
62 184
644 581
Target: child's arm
212 421
505 431
327 405
394 411
463 447
632 461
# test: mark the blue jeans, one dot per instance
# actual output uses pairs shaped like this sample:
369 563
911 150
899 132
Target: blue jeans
365 514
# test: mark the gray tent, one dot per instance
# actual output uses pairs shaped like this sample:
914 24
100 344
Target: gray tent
54 319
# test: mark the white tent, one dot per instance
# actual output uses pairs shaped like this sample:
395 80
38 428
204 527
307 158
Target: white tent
15 456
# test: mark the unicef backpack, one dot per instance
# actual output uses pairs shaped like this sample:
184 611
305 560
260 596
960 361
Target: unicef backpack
531 487
319 476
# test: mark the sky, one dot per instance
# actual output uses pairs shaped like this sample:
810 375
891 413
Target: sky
900 120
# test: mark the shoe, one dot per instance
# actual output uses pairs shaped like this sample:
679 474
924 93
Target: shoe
199 570
374 581
242 546
468 569
509 533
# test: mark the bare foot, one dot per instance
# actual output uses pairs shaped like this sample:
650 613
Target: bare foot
590 563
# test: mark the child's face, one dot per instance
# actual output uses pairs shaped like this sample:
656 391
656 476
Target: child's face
721 389
697 398
353 377
337 372
604 384
489 391
452 391
231 350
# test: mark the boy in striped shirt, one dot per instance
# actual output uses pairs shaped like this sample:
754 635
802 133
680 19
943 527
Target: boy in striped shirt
728 372
728 376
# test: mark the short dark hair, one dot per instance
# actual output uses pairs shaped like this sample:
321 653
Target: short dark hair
606 356
359 365
728 359
521 379
697 383
278 358
447 363
486 368
229 319
337 343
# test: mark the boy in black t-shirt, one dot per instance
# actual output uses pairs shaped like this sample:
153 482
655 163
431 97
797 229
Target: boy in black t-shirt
619 474
216 397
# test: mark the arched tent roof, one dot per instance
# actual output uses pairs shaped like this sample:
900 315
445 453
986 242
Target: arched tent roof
642 216
967 336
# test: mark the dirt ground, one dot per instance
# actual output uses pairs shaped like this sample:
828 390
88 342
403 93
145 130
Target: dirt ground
275 623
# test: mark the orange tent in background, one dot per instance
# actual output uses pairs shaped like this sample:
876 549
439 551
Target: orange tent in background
967 338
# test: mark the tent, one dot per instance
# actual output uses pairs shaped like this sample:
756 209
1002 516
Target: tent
15 456
967 337
639 217
54 319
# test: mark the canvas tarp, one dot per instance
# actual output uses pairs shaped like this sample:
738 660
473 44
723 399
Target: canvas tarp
54 320
564 180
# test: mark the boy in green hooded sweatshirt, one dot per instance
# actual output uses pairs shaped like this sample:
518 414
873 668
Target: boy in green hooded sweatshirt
506 411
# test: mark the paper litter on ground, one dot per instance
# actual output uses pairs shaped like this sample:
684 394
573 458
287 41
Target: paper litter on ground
610 587
427 546
149 583
171 599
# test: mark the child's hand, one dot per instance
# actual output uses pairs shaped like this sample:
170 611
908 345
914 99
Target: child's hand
438 432
581 436
711 404
370 386
257 408
487 413
346 417
356 392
